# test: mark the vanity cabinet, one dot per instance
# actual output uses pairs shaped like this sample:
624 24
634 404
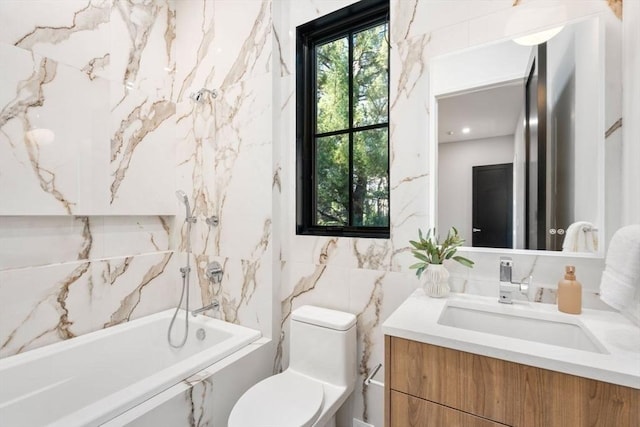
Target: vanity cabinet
427 385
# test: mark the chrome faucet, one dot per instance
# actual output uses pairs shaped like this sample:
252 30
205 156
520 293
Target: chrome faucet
215 305
507 286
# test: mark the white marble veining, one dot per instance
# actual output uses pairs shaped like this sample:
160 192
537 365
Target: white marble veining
86 76
223 153
142 152
39 144
39 241
47 304
420 30
112 79
205 398
74 32
418 319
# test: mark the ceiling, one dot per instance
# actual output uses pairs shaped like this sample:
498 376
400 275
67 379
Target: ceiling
487 113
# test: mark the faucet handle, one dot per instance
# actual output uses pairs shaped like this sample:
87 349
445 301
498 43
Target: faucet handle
214 272
525 283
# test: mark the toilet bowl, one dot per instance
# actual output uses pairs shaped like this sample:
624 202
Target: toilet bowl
320 377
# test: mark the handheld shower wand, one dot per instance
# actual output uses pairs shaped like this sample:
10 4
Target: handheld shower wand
189 219
184 199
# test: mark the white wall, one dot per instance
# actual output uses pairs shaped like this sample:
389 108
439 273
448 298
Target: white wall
478 67
631 126
576 52
455 180
589 60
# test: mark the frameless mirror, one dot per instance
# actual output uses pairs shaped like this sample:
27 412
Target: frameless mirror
520 132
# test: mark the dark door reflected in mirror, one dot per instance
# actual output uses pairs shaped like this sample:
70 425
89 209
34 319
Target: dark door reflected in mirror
492 206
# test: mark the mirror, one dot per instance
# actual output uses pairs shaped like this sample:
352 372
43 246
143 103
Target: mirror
520 142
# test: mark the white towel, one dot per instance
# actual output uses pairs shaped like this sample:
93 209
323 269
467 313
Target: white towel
580 236
620 283
623 254
615 291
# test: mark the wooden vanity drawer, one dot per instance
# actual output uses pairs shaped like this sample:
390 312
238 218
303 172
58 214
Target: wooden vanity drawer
495 390
414 412
483 386
554 399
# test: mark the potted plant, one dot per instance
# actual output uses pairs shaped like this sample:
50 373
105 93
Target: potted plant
431 255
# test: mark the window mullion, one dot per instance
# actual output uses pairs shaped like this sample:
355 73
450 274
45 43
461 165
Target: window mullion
311 106
350 79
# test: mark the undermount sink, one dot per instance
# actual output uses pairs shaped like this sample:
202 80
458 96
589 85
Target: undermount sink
509 322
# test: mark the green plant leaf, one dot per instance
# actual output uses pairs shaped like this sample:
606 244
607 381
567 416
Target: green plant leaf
415 244
464 261
429 250
420 256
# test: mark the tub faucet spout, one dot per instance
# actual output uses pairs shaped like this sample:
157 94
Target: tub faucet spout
213 306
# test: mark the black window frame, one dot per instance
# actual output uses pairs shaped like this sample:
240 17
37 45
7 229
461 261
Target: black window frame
344 22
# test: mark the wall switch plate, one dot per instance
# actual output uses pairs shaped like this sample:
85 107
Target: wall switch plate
358 423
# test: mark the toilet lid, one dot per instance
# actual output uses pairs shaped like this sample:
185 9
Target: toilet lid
283 400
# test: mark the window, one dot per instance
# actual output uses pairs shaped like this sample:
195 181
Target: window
342 84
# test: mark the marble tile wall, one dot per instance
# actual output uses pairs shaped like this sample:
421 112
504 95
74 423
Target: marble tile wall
86 108
224 151
128 69
370 277
87 153
97 132
91 232
64 276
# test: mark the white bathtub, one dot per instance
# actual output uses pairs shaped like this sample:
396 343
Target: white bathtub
91 379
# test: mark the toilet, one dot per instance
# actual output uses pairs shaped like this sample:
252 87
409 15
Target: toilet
320 377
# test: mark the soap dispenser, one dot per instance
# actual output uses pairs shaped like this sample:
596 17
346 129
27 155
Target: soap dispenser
570 292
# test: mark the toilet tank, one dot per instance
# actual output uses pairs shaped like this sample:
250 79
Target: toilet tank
323 345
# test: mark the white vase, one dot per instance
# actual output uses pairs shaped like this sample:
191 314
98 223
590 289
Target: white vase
436 281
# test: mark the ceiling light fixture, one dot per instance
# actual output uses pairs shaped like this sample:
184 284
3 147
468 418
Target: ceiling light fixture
466 130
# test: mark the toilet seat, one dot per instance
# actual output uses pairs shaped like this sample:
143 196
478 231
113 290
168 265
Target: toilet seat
283 400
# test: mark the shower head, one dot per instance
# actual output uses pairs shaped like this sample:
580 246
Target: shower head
184 199
199 96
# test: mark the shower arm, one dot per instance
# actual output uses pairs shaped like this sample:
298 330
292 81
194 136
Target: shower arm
198 96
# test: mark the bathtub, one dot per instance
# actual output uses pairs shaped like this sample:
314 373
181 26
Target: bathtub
92 379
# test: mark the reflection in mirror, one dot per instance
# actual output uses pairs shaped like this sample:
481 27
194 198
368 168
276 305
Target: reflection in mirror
520 142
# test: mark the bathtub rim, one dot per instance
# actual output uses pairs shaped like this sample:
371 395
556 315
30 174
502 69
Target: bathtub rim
112 405
30 355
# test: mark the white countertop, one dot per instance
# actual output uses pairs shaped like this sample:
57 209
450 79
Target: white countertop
417 319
